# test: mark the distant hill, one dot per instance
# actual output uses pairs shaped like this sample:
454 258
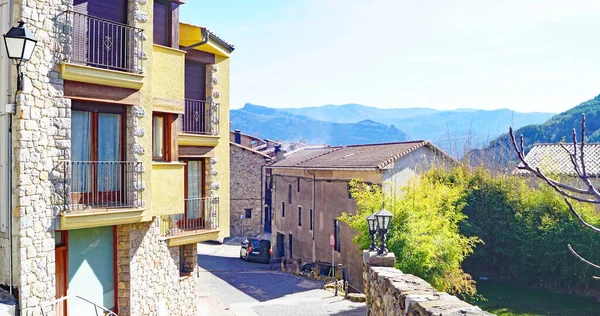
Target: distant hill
558 128
451 130
275 124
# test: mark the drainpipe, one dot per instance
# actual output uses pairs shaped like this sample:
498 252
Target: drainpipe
9 164
204 41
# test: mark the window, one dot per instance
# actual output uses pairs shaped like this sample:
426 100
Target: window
298 185
336 234
299 216
349 193
310 224
248 213
162 23
161 133
290 194
282 209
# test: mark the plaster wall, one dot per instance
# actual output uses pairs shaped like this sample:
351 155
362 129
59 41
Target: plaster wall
168 182
331 200
409 166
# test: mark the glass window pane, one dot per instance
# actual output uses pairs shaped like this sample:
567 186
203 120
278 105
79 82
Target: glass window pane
81 150
109 149
193 178
157 137
91 269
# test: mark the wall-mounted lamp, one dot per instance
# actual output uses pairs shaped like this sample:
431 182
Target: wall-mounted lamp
20 43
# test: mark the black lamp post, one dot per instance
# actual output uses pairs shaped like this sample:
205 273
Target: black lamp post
372 222
19 43
383 218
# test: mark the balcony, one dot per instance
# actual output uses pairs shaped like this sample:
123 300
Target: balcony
101 193
200 124
199 222
101 51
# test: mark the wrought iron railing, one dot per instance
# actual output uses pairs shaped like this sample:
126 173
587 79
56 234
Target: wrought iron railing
199 214
103 185
201 117
60 306
103 43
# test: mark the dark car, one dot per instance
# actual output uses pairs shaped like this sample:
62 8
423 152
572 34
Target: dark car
256 249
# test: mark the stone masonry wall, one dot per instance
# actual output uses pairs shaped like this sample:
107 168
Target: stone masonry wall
391 292
41 142
245 177
149 277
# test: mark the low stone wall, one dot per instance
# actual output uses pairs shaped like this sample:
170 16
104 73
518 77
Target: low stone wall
391 292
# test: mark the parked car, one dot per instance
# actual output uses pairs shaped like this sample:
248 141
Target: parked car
256 249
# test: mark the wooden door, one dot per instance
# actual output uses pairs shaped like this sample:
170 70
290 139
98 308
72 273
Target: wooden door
61 264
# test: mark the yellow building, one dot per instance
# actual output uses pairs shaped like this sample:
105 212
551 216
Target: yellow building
121 156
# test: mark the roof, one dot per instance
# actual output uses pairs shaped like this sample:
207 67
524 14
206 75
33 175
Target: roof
250 150
212 36
552 158
361 157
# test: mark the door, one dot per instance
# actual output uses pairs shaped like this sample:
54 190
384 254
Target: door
61 261
196 111
290 246
280 245
195 205
96 152
268 200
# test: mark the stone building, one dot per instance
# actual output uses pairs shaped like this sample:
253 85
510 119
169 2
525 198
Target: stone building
246 206
111 166
310 191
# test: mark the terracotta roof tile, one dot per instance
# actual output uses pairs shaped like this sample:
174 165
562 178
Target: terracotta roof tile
368 156
552 158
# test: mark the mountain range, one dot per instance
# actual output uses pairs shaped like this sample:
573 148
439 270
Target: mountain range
346 124
499 152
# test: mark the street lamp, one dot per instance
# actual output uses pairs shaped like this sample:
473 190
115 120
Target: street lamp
383 218
372 222
19 43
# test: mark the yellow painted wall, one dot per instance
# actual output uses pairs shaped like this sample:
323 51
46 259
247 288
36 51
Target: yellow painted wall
145 122
222 149
168 77
167 188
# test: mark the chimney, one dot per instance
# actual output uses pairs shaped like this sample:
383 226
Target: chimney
238 136
279 154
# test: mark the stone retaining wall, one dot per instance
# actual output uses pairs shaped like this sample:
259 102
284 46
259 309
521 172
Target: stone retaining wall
390 292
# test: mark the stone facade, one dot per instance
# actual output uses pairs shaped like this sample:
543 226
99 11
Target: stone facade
391 292
41 142
154 279
245 177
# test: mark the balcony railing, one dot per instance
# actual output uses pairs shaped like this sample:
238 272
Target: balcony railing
201 117
103 185
103 43
200 214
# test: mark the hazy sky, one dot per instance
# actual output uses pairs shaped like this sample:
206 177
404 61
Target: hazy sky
522 55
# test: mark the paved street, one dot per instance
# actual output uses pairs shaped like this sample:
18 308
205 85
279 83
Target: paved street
235 287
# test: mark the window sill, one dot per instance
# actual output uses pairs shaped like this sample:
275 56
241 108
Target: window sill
168 163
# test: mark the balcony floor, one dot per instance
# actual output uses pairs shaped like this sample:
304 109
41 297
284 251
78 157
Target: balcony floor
97 217
192 236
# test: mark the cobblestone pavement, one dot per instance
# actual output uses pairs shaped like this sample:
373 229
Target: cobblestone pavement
236 287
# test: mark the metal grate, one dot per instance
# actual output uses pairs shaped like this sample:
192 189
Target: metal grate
103 185
103 43
200 213
201 117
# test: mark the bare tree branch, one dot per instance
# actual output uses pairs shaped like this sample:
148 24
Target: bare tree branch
580 219
582 258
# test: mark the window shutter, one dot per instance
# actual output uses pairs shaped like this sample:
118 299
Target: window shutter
161 23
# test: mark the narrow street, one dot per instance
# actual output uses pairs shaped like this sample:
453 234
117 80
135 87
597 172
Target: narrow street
231 286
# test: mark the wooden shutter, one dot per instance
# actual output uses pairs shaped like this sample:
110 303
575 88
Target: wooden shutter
161 32
113 10
195 80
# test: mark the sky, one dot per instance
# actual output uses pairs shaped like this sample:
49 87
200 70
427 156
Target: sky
523 55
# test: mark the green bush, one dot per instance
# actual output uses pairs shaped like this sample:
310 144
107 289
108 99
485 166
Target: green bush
423 233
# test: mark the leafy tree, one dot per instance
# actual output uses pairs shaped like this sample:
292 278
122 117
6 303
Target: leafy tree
424 232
